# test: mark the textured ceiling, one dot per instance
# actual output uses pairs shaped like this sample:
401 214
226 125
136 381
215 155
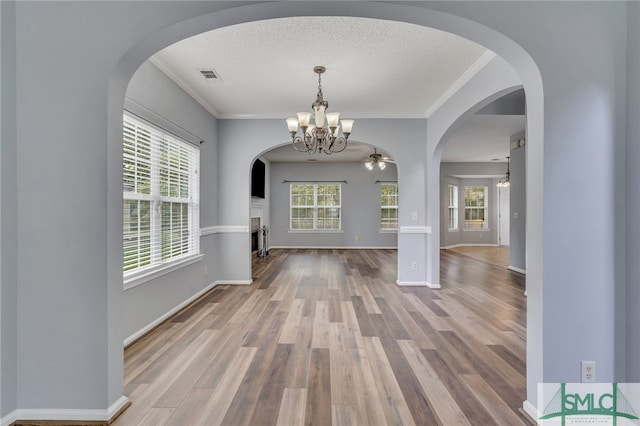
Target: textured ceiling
375 68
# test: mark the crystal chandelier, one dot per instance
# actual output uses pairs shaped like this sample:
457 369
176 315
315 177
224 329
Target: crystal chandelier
319 137
505 181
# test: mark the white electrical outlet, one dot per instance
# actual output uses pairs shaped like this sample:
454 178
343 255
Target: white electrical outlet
414 266
587 371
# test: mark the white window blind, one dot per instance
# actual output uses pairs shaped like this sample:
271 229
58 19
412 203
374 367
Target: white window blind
160 197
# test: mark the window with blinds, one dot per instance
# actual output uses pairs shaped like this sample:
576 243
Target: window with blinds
453 207
314 207
160 197
389 206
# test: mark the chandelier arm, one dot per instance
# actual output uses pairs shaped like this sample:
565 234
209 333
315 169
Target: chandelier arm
338 144
300 144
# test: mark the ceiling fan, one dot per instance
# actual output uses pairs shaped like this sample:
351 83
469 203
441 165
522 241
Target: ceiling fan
377 159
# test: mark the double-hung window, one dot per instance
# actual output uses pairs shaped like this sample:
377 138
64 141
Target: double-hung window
388 206
475 207
314 206
160 198
453 207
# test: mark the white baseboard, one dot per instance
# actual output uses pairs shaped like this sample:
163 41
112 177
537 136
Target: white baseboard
417 284
332 248
55 414
531 410
469 245
234 282
521 271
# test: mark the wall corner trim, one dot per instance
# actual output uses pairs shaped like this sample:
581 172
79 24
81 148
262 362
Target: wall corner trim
9 419
519 270
415 230
530 410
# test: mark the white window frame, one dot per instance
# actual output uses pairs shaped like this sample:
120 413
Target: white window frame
485 207
390 207
315 206
186 249
452 209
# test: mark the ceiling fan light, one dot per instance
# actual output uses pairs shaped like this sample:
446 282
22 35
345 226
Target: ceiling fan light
382 165
369 165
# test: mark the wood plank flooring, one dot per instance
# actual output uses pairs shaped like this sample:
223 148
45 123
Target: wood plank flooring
326 337
496 255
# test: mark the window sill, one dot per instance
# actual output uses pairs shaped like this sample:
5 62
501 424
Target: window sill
454 230
142 277
388 231
477 230
315 231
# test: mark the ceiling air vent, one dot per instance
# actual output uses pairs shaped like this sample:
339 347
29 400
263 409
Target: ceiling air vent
208 74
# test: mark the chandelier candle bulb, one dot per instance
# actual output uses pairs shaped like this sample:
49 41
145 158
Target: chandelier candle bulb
346 126
303 118
332 119
292 123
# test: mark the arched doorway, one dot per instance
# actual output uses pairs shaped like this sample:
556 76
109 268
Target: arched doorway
416 15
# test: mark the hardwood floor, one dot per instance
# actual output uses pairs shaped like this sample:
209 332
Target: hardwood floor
326 337
496 255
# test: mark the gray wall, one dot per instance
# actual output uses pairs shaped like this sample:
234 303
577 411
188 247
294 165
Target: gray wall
153 94
518 204
360 205
69 301
8 212
461 236
632 296
241 141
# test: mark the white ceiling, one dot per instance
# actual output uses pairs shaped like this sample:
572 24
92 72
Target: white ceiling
483 138
375 68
